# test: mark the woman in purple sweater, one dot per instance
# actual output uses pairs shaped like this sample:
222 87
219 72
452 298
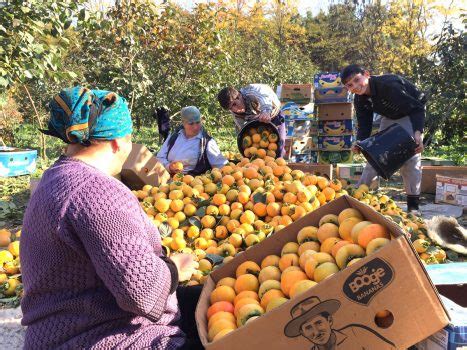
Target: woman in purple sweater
94 272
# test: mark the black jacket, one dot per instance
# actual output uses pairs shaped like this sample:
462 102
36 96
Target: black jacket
390 96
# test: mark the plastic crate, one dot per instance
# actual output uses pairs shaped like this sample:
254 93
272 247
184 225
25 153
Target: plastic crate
15 161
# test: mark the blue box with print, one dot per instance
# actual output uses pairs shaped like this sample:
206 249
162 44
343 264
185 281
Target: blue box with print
15 161
336 127
335 143
325 157
309 157
327 80
333 95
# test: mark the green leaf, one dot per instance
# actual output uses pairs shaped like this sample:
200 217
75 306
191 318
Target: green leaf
259 198
83 15
215 259
201 211
164 229
204 203
452 255
27 74
195 221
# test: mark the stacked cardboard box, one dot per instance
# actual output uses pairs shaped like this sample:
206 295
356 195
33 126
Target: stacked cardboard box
335 123
301 123
353 172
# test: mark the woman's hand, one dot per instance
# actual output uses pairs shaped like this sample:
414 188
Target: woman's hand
418 136
175 167
186 265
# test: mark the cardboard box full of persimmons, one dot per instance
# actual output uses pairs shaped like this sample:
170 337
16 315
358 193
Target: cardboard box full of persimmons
341 277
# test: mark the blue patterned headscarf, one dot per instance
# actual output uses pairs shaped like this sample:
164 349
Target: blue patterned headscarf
79 114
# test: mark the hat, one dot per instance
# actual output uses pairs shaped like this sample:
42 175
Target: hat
306 310
78 114
190 114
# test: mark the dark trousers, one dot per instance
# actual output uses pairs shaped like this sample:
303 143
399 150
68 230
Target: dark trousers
187 300
279 122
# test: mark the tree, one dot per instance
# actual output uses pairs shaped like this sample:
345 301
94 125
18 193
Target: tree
33 43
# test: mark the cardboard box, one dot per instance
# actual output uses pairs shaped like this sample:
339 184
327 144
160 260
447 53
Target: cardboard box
336 127
353 172
451 190
435 161
317 169
328 157
335 111
392 279
301 128
327 80
451 337
335 143
429 175
288 147
304 144
308 157
298 93
350 171
142 168
332 95
291 110
451 282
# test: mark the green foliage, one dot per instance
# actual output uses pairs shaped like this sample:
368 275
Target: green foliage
167 56
442 75
33 36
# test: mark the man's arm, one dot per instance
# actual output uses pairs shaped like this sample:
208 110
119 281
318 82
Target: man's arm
364 120
269 105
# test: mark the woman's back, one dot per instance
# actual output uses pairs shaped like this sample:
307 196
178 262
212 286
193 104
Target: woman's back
90 266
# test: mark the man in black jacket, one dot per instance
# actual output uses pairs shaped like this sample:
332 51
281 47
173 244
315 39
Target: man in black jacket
397 101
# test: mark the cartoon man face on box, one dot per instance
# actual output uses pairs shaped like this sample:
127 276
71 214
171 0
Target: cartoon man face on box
312 319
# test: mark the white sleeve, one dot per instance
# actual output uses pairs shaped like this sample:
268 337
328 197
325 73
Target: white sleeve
215 157
163 154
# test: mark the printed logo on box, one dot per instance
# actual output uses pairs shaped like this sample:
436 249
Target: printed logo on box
368 281
327 80
318 322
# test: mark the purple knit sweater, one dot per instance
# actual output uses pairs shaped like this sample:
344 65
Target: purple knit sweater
91 268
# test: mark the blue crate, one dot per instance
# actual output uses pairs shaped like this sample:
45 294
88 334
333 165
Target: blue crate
15 161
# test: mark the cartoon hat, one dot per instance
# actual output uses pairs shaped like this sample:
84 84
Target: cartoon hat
306 310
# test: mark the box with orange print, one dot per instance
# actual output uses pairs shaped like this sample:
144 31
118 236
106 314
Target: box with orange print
356 298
